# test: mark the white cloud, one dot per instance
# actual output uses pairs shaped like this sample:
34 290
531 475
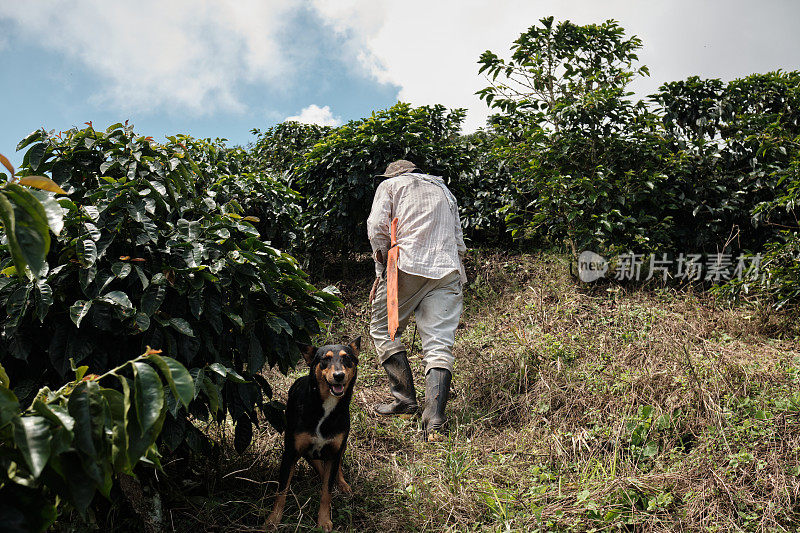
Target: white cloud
194 56
314 114
182 54
430 49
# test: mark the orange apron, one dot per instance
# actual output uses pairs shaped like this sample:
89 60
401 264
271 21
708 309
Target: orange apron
391 283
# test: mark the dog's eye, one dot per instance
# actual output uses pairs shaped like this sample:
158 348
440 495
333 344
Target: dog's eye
325 362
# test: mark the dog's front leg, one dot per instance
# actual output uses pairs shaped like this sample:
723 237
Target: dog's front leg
288 462
340 482
324 517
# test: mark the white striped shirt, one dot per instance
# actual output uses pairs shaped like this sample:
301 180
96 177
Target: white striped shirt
429 233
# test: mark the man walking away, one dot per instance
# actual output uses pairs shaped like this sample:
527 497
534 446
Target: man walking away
430 278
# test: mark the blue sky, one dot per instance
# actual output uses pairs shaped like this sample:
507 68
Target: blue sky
218 68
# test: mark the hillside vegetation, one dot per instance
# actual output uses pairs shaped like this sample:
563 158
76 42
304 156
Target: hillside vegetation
574 408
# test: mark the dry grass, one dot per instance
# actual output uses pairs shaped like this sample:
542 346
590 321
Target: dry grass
574 408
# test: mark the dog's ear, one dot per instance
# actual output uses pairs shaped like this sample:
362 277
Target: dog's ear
308 352
356 345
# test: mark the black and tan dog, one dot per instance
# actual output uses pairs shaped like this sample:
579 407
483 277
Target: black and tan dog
318 423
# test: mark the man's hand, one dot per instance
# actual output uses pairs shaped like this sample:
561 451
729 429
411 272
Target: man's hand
374 288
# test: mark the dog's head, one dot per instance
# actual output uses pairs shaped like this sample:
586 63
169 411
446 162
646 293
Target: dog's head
333 367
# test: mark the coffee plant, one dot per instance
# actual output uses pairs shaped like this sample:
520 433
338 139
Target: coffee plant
336 176
157 250
71 443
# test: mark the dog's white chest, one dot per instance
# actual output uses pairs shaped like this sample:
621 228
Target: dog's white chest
317 440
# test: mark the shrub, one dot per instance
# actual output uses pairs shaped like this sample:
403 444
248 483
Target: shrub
155 252
336 176
72 442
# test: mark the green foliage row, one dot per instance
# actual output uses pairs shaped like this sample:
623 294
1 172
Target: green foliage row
336 175
704 166
159 248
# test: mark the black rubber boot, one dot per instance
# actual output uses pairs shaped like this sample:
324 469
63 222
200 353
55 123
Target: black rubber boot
437 391
401 384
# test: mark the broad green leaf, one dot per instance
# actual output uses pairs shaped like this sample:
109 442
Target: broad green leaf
236 319
227 373
30 138
178 378
35 155
120 269
142 321
119 442
43 183
81 490
182 326
9 405
31 227
9 226
87 251
58 414
212 393
4 380
149 398
79 310
44 299
650 449
117 298
142 276
92 231
86 407
152 298
32 437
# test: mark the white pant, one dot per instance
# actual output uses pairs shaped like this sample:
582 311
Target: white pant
436 304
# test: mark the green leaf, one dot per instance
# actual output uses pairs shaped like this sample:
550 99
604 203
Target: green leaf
81 490
35 155
55 413
118 298
79 310
52 209
4 380
87 251
85 405
30 225
32 137
32 437
182 326
152 298
149 398
8 217
44 300
178 378
142 321
650 449
212 393
227 373
9 406
120 269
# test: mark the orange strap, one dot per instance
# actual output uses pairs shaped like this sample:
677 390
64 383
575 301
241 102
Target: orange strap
391 283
